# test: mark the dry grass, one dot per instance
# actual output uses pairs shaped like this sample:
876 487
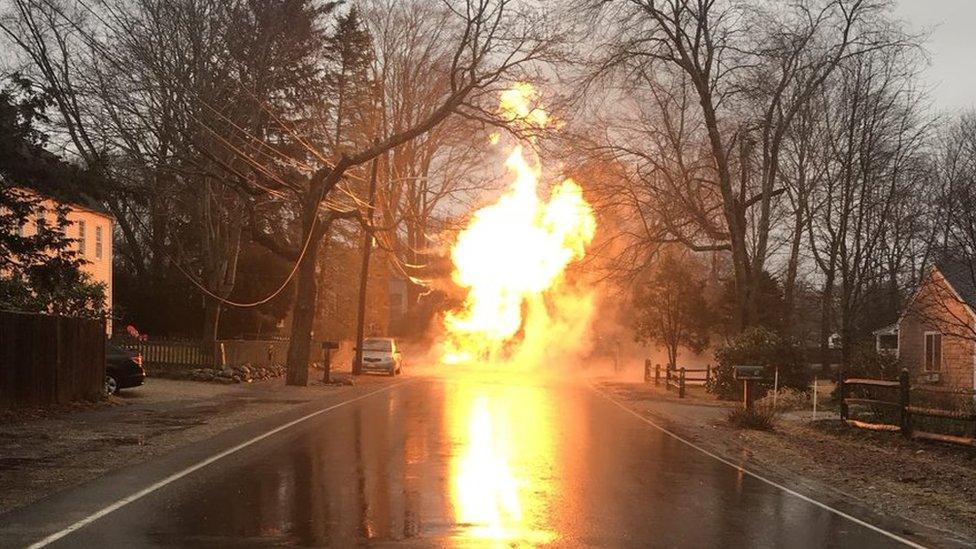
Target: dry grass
788 400
757 418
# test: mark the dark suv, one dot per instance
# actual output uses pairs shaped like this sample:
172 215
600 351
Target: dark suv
123 369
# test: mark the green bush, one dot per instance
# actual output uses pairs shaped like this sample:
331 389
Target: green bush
759 347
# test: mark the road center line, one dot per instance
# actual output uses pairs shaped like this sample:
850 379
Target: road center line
757 476
199 465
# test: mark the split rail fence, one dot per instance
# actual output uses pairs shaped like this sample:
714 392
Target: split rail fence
677 378
916 412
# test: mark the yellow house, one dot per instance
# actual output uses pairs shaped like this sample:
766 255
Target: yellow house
92 231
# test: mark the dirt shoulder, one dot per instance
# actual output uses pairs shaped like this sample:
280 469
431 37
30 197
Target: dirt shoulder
44 451
927 486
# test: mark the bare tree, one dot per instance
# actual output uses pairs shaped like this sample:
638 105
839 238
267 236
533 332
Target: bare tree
948 307
727 81
874 137
437 170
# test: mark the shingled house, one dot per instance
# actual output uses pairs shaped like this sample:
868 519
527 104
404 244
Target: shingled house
937 329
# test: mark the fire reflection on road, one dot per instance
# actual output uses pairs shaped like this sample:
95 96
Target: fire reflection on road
500 470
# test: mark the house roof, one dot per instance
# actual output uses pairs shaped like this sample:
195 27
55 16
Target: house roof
77 200
891 329
961 275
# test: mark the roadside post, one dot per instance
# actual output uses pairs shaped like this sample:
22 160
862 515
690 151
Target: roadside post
647 370
842 389
775 387
327 347
657 374
747 375
681 383
815 398
904 395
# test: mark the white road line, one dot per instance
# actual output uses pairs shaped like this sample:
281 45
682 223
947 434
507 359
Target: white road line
757 476
199 465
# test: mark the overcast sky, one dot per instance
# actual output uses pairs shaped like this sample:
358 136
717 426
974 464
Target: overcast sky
951 48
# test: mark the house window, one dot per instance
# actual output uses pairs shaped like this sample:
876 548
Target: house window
81 238
933 351
98 242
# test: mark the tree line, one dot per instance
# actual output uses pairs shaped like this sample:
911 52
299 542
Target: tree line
786 150
779 155
222 135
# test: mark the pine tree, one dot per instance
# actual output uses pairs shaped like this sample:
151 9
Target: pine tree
349 51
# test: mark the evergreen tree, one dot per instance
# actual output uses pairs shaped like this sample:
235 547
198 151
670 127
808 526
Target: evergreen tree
349 51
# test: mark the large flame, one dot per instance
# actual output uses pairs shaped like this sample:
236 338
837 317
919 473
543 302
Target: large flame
512 257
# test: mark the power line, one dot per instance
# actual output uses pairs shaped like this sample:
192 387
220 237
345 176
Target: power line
240 305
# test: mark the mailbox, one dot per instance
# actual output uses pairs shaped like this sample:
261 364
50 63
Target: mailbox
749 373
330 344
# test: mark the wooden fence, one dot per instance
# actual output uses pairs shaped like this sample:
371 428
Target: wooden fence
185 354
166 353
897 406
677 378
48 359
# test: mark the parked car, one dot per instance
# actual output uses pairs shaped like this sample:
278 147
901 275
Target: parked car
123 369
380 354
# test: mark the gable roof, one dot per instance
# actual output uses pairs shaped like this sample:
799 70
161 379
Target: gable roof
961 276
958 276
76 200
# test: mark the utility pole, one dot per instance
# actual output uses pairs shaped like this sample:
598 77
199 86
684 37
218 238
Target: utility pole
357 363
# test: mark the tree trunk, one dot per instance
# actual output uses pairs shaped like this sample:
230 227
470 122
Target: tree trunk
792 266
211 320
357 363
825 310
300 344
306 291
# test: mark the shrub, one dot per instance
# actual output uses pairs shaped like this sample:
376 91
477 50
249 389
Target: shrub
723 384
759 347
787 400
866 361
757 418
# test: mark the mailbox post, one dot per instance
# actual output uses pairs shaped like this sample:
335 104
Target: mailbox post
747 375
327 347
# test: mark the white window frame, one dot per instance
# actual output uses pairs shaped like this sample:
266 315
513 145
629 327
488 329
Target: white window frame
82 238
98 241
925 352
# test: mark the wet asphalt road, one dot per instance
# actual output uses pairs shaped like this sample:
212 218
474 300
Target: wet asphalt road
471 461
